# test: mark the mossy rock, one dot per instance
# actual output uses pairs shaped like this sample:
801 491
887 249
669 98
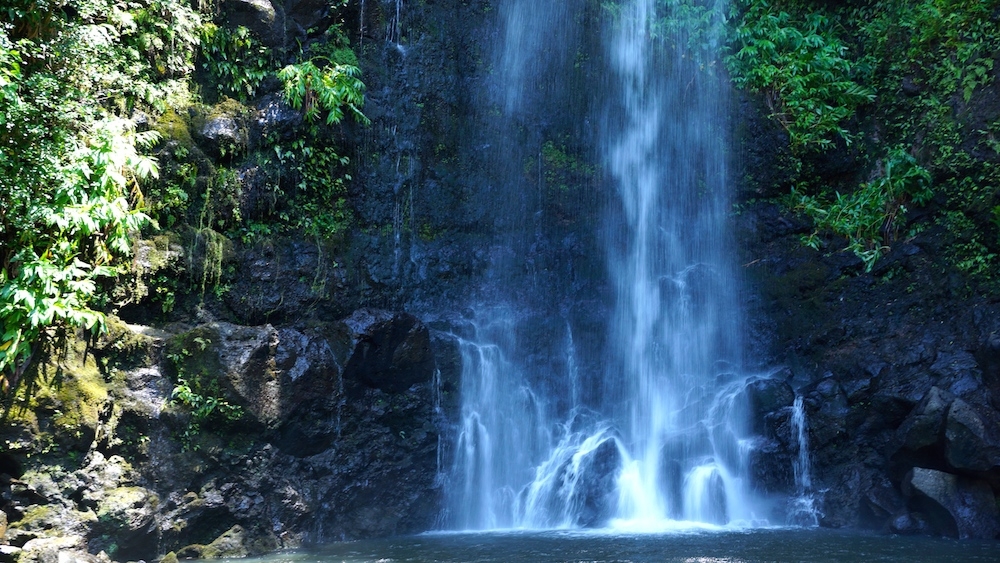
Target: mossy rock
230 544
174 126
122 348
228 107
194 354
158 275
71 392
37 517
55 548
126 509
221 129
164 251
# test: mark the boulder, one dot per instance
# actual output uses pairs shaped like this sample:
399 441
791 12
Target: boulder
126 516
592 499
910 524
922 428
971 443
233 543
883 498
222 136
59 549
969 503
305 14
276 118
259 16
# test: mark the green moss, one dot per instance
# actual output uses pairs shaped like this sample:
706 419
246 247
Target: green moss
230 544
228 107
172 126
429 232
163 251
563 170
118 503
123 348
37 517
72 389
193 355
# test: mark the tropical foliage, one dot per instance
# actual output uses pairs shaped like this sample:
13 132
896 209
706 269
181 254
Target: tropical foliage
75 170
803 70
899 81
71 167
867 217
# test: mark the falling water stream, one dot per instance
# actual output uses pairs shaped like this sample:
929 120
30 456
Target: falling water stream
676 311
668 441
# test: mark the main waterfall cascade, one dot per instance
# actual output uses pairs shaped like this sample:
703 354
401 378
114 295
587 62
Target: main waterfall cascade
668 439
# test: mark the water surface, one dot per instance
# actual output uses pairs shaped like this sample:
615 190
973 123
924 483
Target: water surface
696 544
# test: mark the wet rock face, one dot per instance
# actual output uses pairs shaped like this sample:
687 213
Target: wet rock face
956 505
898 371
767 396
971 438
392 351
349 419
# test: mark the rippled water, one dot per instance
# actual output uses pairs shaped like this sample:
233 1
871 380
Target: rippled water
693 545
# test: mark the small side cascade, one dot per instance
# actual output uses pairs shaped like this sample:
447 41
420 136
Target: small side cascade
439 412
571 368
502 435
802 507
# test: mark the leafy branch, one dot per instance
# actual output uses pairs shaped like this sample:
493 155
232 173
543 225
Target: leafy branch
332 88
79 234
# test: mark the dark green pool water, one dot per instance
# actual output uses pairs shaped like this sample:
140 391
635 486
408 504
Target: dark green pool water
692 546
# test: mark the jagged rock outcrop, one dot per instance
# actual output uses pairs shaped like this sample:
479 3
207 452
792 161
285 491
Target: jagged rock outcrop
338 438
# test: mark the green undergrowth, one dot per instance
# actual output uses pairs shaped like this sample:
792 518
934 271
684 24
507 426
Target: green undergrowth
102 109
198 377
908 86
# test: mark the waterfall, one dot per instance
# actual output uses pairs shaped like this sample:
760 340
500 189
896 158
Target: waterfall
395 33
676 319
800 467
666 437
